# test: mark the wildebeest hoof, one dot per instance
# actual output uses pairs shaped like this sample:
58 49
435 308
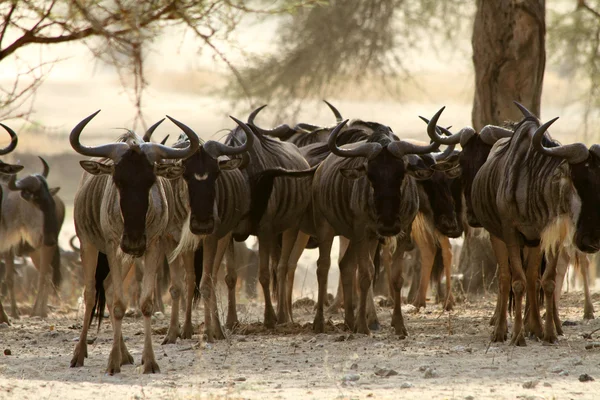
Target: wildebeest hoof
171 337
150 367
361 327
113 367
78 356
419 304
187 331
319 325
126 358
518 339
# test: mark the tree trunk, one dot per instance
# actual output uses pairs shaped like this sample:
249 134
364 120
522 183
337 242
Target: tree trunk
509 57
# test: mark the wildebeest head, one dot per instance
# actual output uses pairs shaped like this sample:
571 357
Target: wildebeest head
584 166
134 169
443 190
475 150
386 166
4 167
35 190
201 173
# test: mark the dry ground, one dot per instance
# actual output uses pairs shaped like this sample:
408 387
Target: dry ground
446 356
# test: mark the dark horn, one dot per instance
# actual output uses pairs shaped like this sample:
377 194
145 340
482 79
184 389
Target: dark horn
13 141
165 140
526 113
445 154
254 113
574 153
111 150
401 148
46 170
432 131
338 116
490 134
216 149
368 150
72 243
167 152
151 130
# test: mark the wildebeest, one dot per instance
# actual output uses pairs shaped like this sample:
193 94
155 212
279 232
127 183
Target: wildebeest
211 201
8 169
121 210
32 216
533 192
364 191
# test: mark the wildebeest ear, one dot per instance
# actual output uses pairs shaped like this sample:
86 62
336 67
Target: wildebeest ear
168 171
354 173
227 165
53 191
9 168
96 168
453 172
447 164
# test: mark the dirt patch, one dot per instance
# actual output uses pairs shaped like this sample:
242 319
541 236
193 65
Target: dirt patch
446 355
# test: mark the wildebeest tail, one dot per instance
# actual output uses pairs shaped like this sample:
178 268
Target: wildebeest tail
102 270
198 267
377 262
542 270
55 264
261 187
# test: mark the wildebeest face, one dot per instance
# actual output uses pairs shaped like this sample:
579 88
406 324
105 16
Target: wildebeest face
201 174
35 190
386 174
134 175
442 197
586 179
474 154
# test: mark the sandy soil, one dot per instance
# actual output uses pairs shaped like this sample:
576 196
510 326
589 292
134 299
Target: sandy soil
447 355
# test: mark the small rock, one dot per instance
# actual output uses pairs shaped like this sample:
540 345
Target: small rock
556 370
278 386
547 384
7 352
159 315
430 373
459 349
351 378
406 385
4 325
563 373
578 361
469 397
91 340
569 323
423 368
592 345
385 372
530 384
240 379
354 366
585 378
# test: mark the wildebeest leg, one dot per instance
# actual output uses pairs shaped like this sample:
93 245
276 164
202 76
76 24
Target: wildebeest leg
427 251
9 261
372 320
3 316
533 324
231 281
289 239
548 286
131 289
364 249
117 309
188 264
158 304
299 246
447 259
176 272
500 332
396 282
219 246
40 307
89 258
325 239
126 357
518 285
584 269
265 241
347 276
153 259
339 296
387 258
562 267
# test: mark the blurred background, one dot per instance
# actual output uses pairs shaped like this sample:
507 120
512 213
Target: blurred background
200 61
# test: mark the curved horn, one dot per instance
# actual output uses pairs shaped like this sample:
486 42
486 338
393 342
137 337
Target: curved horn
13 141
574 153
216 149
402 148
254 113
165 139
432 130
167 152
111 150
151 130
368 150
46 170
72 243
444 154
490 134
306 127
25 183
338 116
526 113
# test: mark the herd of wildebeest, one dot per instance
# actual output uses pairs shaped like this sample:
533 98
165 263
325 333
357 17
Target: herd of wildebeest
182 208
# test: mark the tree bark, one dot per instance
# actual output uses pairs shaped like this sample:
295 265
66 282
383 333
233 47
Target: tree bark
509 57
